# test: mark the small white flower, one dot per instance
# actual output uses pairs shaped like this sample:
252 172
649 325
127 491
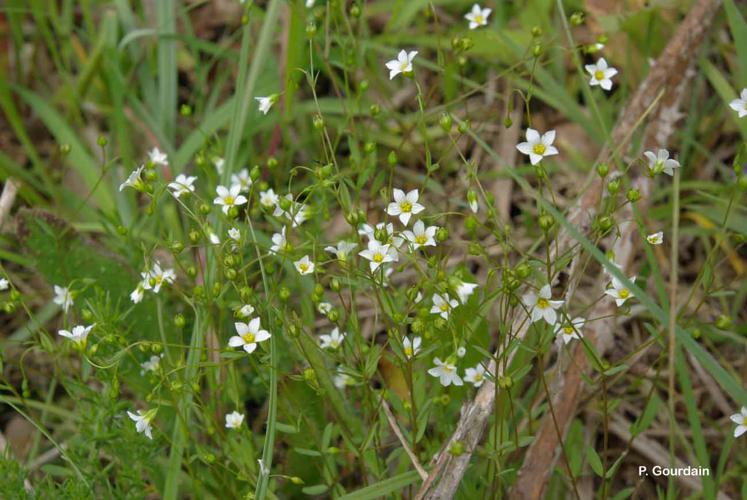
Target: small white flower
418 297
280 243
182 185
740 105
541 306
142 422
304 265
249 335
377 254
465 290
477 16
137 294
570 331
446 373
461 351
404 205
4 284
229 197
242 179
133 180
245 311
268 199
234 420
538 146
601 74
421 236
342 251
157 277
741 420
219 164
370 233
265 103
333 340
660 162
156 157
403 63
63 297
656 238
472 201
297 213
443 304
411 347
475 376
324 308
79 335
342 379
151 365
213 238
234 234
619 291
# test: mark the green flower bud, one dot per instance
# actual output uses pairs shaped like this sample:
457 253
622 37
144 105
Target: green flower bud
606 222
633 195
191 271
603 169
577 18
122 230
507 122
233 212
318 122
185 110
65 149
231 274
101 141
463 127
537 50
381 234
369 147
204 208
442 234
505 382
310 29
723 322
284 293
523 270
471 223
536 31
355 11
151 175
334 285
179 321
254 173
456 449
272 162
363 86
374 109
613 186
392 158
742 182
296 480
546 222
445 122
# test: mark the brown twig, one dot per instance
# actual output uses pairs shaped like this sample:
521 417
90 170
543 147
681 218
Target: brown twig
402 440
8 198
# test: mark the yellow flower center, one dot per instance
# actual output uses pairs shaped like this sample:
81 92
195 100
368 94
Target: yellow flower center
568 330
248 338
479 19
406 206
543 303
599 75
448 369
303 267
478 376
421 239
540 149
408 352
378 258
624 293
403 66
228 200
444 307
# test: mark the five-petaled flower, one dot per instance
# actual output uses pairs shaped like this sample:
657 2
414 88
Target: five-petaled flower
304 265
403 63
377 254
249 335
656 238
475 376
660 162
741 420
446 372
411 347
541 305
443 304
619 291
404 205
182 185
242 179
464 290
142 422
570 331
333 340
342 250
229 197
156 157
421 236
601 74
265 103
63 297
740 104
79 334
538 146
477 16
156 277
234 420
280 243
133 180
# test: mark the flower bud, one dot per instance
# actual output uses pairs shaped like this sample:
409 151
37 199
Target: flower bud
334 285
369 147
310 29
392 158
442 234
101 141
633 195
613 186
537 50
445 122
603 169
577 18
536 31
374 109
463 127
272 162
318 122
456 449
65 149
179 321
505 382
546 222
185 110
284 293
285 204
523 270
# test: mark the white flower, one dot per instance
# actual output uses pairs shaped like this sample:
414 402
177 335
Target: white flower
342 251
156 157
297 213
78 335
464 290
601 74
619 292
472 201
268 199
142 422
570 330
656 238
310 3
442 305
542 306
234 234
280 243
63 297
229 197
304 265
133 180
477 16
342 379
377 254
265 103
245 311
248 335
234 420
324 308
151 365
741 420
421 236
536 146
660 162
333 340
403 63
740 105
242 179
219 164
213 238
137 294
411 347
404 205
475 376
4 284
157 277
461 351
370 233
446 373
182 185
